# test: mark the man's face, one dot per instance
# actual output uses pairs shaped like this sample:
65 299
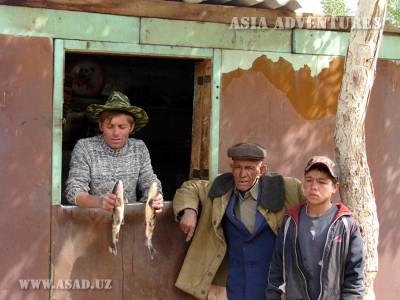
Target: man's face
246 172
116 130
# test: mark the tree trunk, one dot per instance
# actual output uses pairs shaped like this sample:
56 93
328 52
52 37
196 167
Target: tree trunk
356 186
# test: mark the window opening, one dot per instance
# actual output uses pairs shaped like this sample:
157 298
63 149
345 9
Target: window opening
163 87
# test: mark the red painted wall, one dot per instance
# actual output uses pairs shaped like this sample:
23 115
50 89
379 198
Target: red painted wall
26 78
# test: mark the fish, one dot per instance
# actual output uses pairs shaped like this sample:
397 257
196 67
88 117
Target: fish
117 216
150 216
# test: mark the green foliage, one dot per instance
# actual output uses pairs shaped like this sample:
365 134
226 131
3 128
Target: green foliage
393 12
336 7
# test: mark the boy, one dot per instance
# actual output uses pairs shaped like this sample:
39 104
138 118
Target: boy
319 251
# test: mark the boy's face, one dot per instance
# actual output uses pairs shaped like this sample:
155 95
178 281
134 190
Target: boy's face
246 173
319 187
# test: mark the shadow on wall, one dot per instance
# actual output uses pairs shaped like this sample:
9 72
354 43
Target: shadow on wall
383 142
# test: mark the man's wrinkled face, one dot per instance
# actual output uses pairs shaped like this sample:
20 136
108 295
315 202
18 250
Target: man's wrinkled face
246 172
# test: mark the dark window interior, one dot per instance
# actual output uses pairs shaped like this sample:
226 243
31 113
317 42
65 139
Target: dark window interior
163 87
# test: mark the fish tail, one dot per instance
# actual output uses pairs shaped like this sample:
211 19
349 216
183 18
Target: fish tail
113 248
152 251
149 245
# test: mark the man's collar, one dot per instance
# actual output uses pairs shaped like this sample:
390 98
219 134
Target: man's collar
273 189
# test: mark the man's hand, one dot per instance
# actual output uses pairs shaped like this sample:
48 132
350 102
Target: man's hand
158 203
108 201
188 223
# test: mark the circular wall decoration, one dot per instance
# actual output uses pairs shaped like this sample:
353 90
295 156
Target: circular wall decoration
88 77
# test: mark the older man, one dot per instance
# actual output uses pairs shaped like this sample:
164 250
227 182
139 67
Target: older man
233 221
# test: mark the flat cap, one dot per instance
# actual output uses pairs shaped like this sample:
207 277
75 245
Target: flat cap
247 151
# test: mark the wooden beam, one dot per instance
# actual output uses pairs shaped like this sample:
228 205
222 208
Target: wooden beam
156 9
178 11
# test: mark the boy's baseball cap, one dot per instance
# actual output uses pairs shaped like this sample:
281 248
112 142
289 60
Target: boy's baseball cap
331 165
